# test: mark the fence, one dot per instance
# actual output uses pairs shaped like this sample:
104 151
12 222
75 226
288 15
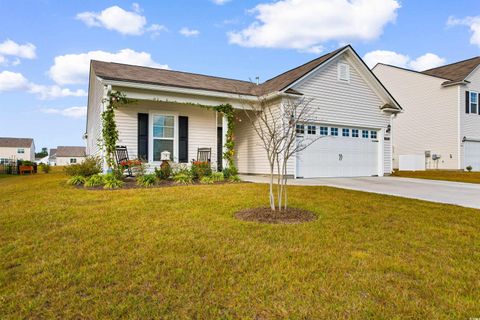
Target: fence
8 165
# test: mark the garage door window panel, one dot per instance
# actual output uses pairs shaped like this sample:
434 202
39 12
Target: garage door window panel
312 129
324 131
334 132
373 134
346 132
355 133
365 134
300 129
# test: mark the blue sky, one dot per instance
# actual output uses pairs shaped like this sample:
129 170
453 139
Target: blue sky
45 45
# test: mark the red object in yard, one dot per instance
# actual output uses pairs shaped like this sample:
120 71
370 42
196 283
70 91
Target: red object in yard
23 169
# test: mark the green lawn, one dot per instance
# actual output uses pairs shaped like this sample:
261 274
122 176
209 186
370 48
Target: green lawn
459 176
178 253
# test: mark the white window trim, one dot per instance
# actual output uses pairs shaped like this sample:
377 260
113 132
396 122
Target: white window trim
23 150
339 73
470 103
151 114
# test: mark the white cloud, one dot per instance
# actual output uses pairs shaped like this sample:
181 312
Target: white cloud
72 112
472 22
427 61
424 62
52 92
10 81
11 48
220 2
120 20
14 81
74 68
306 24
387 57
187 32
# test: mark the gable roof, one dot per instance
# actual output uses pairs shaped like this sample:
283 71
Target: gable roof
147 75
64 151
456 71
6 142
52 153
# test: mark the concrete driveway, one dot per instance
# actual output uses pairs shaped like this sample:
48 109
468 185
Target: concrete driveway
462 194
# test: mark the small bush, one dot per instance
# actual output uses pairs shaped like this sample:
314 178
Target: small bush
218 176
89 167
234 178
76 181
112 182
469 168
146 180
182 178
95 181
207 180
230 171
164 172
45 167
200 170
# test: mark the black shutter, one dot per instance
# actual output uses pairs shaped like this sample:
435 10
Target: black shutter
143 136
183 139
467 101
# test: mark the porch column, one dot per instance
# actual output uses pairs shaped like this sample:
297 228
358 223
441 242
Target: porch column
224 139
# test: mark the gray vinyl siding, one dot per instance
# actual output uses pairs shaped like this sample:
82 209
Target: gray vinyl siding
94 113
430 117
470 123
352 103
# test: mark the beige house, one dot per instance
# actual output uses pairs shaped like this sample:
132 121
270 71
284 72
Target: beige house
69 155
16 148
440 128
352 114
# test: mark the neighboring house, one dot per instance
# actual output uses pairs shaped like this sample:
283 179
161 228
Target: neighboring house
352 111
52 157
69 155
441 123
17 148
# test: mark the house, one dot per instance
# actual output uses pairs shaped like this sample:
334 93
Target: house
353 114
440 128
16 148
69 155
52 157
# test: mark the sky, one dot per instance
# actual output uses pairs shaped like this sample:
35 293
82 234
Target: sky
46 46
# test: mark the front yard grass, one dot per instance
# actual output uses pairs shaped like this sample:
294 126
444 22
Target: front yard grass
178 253
458 176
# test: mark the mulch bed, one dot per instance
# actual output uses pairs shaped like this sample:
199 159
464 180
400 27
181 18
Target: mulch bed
266 215
131 183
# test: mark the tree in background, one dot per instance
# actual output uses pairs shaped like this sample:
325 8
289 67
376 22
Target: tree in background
42 154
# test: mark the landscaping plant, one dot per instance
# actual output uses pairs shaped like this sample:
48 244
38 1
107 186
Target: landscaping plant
200 169
146 180
89 167
469 168
112 181
182 178
45 167
207 180
95 181
76 181
164 172
229 171
218 176
234 178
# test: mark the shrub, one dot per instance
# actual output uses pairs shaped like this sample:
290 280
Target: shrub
230 171
234 178
76 181
45 167
207 180
89 167
164 172
218 176
146 180
26 163
112 182
95 181
200 170
182 178
469 168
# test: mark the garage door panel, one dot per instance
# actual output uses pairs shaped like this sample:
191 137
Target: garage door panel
322 158
472 154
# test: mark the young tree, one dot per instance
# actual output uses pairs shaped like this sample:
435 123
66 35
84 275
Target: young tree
279 128
42 153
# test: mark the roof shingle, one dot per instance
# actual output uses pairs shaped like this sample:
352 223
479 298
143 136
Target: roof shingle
123 72
455 72
63 151
15 142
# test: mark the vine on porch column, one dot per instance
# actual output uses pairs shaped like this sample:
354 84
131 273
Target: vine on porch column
109 130
228 112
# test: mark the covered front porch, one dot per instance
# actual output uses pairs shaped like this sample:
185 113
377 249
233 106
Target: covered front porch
148 128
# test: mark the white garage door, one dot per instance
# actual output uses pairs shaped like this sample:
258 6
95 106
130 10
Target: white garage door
339 152
472 154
